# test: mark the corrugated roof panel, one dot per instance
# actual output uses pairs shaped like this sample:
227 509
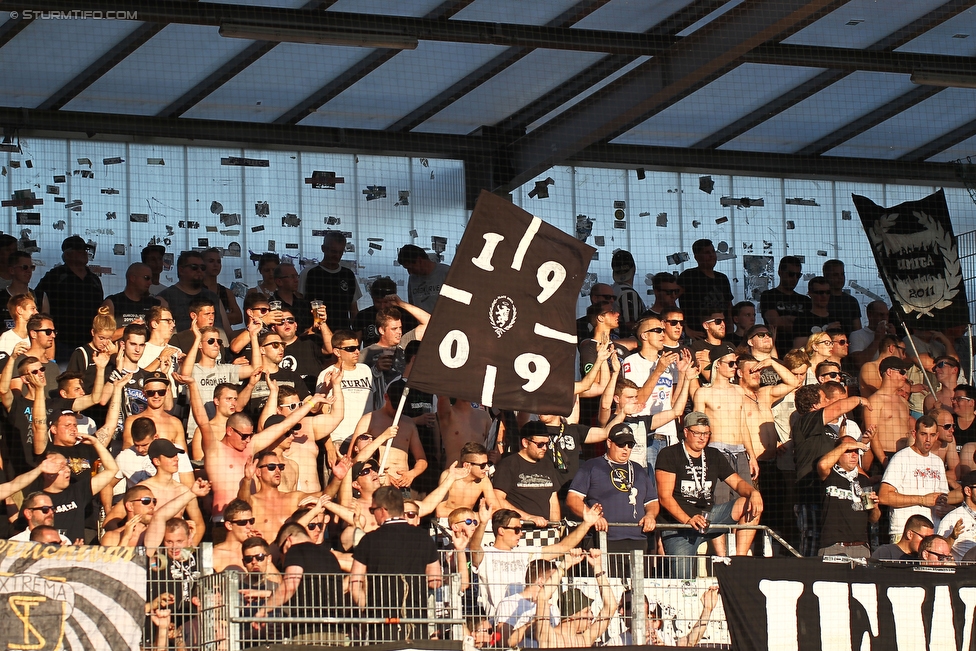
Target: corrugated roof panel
400 85
415 8
629 16
276 82
725 100
877 20
954 37
913 128
823 113
517 12
162 70
32 70
523 82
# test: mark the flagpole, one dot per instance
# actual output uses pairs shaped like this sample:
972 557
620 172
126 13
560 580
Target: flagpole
911 342
396 419
972 371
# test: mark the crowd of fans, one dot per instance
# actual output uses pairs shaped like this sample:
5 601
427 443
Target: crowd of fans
163 417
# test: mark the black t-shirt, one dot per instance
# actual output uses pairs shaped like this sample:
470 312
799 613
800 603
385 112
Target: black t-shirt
785 305
19 417
69 508
315 590
127 310
74 302
811 440
365 322
566 444
964 436
703 295
844 308
692 491
809 323
336 289
81 459
528 486
382 551
304 356
260 393
843 516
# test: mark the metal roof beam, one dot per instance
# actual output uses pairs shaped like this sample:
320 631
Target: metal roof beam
894 40
940 144
686 66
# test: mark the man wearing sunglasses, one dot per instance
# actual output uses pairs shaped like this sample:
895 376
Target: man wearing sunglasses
262 490
666 292
889 418
42 336
191 269
936 551
138 505
360 390
622 487
72 498
305 353
156 388
37 510
167 459
527 482
687 474
238 526
946 370
714 327
272 353
467 491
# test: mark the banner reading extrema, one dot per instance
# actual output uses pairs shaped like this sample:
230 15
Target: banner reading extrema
918 259
73 598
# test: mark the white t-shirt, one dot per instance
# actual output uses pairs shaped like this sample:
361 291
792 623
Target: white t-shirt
636 368
967 539
138 468
502 574
912 474
8 340
358 398
861 339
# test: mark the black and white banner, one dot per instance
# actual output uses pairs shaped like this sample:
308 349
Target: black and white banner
918 259
72 598
503 333
792 604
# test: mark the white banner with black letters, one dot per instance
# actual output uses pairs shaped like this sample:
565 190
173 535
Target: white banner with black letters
503 332
71 598
791 604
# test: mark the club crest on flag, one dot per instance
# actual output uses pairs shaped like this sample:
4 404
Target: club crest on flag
502 315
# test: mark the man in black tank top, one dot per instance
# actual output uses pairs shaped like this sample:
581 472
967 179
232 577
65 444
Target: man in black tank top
963 397
133 302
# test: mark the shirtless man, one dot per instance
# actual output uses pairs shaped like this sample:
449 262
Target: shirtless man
889 417
239 522
155 387
164 456
946 370
225 460
945 446
460 423
270 505
466 491
138 505
406 442
869 378
225 401
724 405
303 449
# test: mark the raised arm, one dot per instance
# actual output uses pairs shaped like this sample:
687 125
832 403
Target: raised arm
422 315
100 359
171 509
6 395
191 355
108 475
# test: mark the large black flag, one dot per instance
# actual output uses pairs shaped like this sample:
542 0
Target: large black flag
918 259
504 330
799 604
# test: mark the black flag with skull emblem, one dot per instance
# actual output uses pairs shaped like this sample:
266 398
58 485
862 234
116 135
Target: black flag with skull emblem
503 333
918 259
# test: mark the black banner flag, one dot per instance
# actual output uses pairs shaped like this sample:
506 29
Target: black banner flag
918 259
792 604
503 333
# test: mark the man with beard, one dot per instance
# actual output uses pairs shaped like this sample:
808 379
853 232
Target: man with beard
270 505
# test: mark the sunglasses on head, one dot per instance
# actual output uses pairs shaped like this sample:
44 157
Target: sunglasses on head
349 349
248 558
145 501
243 522
273 466
154 393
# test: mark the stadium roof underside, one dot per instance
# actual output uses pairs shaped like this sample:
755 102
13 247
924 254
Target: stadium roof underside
863 89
